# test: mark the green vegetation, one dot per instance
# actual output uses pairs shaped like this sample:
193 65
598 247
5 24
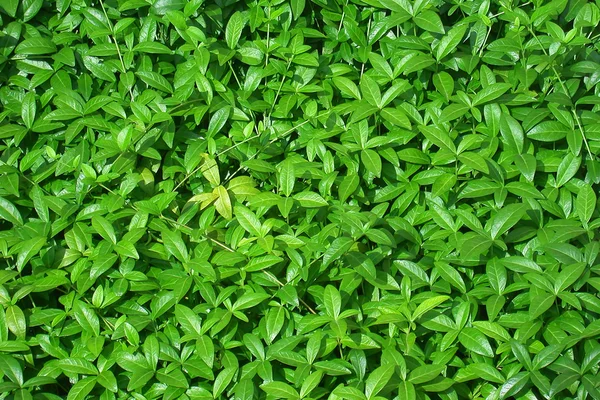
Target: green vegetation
299 199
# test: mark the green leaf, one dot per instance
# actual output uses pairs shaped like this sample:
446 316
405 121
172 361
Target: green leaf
280 390
428 305
234 29
512 132
378 379
310 200
475 341
87 318
175 245
546 356
430 21
444 83
450 41
540 304
223 202
152 48
348 186
548 131
10 6
218 121
310 383
11 368
104 228
418 63
347 87
506 218
244 390
568 276
188 319
297 7
35 46
567 169
486 372
527 165
248 220
15 321
82 388
586 203
78 366
370 91
210 170
287 177
451 275
332 301
172 378
28 110
9 212
438 137
443 184
31 248
396 116
155 80
425 373
249 300
407 391
490 93
223 380
371 161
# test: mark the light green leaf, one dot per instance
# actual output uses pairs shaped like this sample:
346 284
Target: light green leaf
428 305
370 91
82 388
348 186
310 200
189 320
280 390
287 177
475 341
430 21
372 161
490 93
248 220
175 245
347 87
155 80
586 203
567 169
9 212
15 321
332 301
444 83
450 41
104 228
378 379
223 202
505 219
11 368
28 110
234 29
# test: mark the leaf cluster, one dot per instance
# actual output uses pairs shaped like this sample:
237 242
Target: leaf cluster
299 199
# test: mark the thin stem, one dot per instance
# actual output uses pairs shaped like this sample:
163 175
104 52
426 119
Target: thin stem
224 246
564 88
273 141
112 33
234 74
280 86
268 35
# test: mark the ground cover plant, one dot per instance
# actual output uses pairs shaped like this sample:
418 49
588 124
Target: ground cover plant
326 199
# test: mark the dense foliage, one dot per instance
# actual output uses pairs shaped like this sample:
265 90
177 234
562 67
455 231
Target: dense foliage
324 199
